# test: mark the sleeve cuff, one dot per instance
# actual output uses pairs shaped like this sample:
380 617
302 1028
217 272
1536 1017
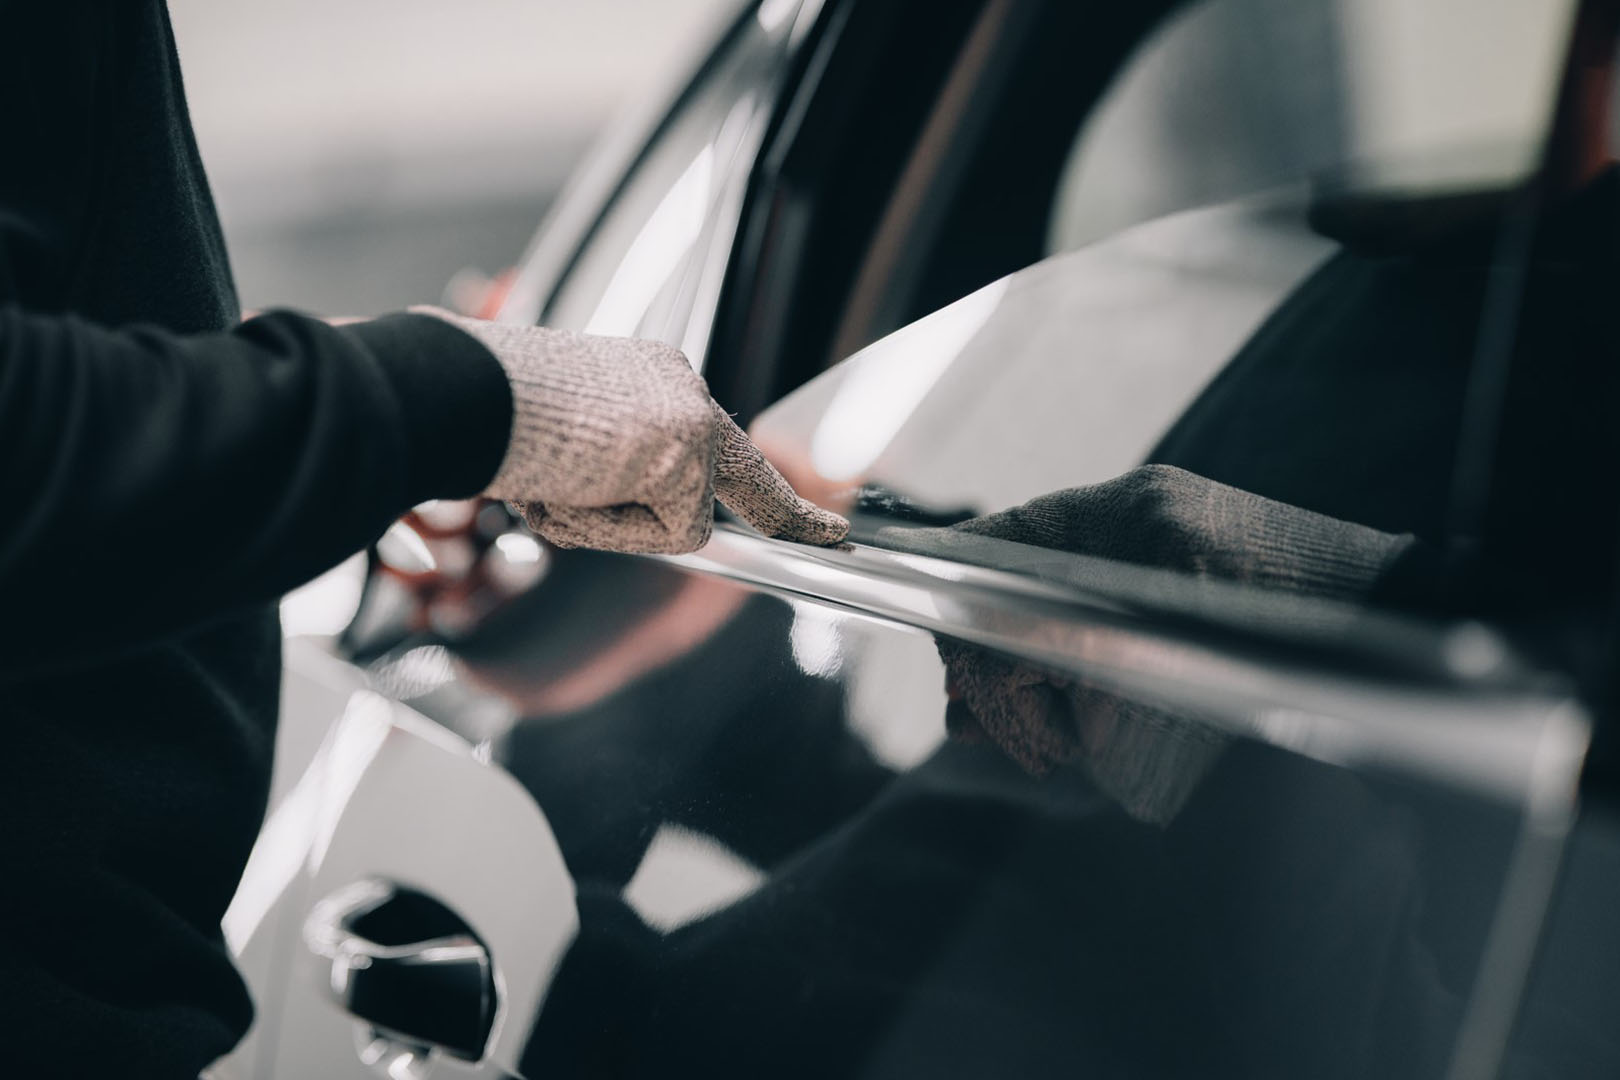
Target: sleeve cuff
455 400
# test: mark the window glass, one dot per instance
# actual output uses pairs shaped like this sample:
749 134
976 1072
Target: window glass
1294 228
652 266
1237 95
1326 321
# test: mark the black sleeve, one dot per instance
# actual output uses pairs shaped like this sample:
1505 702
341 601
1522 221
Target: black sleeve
150 481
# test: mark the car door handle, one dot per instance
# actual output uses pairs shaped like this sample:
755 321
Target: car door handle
407 966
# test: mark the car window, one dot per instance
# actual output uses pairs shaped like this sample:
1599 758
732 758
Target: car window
652 265
1085 123
1319 330
1304 332
1238 95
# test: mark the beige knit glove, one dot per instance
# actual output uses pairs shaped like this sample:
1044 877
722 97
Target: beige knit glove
617 445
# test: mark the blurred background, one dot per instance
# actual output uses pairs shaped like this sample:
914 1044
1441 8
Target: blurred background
363 151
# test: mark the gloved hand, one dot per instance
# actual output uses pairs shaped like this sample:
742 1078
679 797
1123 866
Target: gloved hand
1171 519
1146 759
617 445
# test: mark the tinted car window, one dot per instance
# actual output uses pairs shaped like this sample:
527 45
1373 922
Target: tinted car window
1237 95
652 265
1310 323
1253 330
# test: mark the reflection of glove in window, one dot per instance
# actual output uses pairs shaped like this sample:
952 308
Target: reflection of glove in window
616 444
1171 519
1147 759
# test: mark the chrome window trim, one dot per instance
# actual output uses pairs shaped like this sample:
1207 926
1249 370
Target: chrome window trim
1468 714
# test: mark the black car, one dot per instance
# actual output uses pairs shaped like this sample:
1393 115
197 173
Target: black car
954 801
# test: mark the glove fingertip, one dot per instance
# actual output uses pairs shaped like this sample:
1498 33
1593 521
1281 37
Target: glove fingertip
813 525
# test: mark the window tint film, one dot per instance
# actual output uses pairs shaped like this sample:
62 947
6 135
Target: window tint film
1292 243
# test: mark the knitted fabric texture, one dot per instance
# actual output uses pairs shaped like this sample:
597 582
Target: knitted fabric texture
1171 519
1147 759
616 444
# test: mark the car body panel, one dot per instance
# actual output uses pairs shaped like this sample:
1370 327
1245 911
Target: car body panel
453 822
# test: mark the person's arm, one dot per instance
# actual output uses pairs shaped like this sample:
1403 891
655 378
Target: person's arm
155 480
149 480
